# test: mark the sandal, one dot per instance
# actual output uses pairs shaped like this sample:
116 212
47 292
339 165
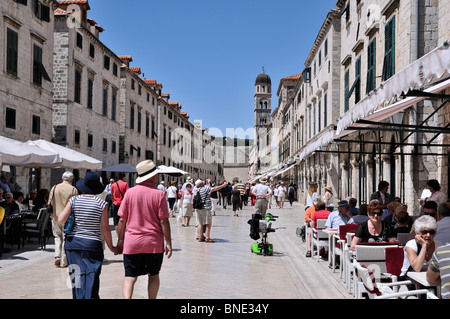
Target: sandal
308 253
209 240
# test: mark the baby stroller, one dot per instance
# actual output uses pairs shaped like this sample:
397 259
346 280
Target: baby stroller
258 226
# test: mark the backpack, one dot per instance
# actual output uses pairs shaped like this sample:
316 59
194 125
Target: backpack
198 202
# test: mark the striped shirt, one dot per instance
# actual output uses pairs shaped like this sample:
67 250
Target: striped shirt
441 263
205 194
241 188
88 212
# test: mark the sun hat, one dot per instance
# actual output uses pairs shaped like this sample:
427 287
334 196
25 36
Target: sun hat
90 184
146 170
328 188
198 182
263 180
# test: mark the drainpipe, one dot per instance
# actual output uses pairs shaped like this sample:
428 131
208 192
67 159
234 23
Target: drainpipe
416 49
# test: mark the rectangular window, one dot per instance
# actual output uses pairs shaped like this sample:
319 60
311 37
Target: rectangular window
153 129
106 62
326 48
77 97
10 120
139 128
371 65
115 69
105 145
90 93
77 137
113 147
346 92
319 111
23 2
325 114
132 118
79 40
147 125
356 87
41 11
39 70
114 105
36 125
389 50
92 51
358 80
12 52
90 140
105 102
346 11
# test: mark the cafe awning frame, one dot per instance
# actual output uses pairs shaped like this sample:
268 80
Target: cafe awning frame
426 70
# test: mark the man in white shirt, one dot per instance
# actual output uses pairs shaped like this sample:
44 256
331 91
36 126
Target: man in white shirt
162 186
261 191
281 194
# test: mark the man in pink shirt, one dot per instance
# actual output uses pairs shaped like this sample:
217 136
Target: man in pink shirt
144 230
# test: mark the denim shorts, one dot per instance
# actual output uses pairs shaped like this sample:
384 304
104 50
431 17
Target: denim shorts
142 264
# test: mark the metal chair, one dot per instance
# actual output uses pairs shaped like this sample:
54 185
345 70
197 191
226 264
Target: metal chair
39 232
319 238
376 290
340 245
373 257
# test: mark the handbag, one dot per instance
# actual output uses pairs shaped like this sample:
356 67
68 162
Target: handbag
70 223
50 206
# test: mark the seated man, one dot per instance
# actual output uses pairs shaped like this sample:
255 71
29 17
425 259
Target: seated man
10 205
340 216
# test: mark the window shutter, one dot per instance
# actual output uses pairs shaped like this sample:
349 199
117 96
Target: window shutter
389 54
371 66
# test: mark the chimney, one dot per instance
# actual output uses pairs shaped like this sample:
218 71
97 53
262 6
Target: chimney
126 59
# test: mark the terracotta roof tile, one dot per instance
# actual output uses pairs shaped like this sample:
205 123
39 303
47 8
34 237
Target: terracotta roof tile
135 69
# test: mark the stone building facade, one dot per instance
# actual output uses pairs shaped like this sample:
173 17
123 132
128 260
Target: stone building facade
87 83
84 96
26 77
379 124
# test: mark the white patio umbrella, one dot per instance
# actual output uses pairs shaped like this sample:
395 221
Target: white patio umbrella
16 153
70 158
172 171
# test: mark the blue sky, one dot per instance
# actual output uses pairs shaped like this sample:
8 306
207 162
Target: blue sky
208 53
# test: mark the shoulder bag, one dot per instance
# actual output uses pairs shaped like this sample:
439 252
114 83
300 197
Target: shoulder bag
70 223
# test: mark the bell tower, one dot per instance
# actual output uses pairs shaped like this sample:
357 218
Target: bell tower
263 100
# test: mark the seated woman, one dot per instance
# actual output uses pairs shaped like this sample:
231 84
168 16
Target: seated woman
418 251
374 230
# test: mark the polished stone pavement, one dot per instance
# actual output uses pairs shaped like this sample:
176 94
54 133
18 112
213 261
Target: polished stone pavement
226 269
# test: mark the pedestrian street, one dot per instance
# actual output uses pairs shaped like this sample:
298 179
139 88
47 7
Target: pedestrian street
226 269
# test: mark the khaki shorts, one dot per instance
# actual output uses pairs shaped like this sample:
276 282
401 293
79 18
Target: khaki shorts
204 216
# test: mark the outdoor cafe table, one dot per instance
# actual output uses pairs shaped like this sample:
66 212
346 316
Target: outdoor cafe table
419 279
12 226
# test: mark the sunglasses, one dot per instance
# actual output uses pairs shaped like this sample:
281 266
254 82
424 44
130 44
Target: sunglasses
431 232
376 213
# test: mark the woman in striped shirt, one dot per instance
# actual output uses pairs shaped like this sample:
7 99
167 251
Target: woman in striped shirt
84 247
